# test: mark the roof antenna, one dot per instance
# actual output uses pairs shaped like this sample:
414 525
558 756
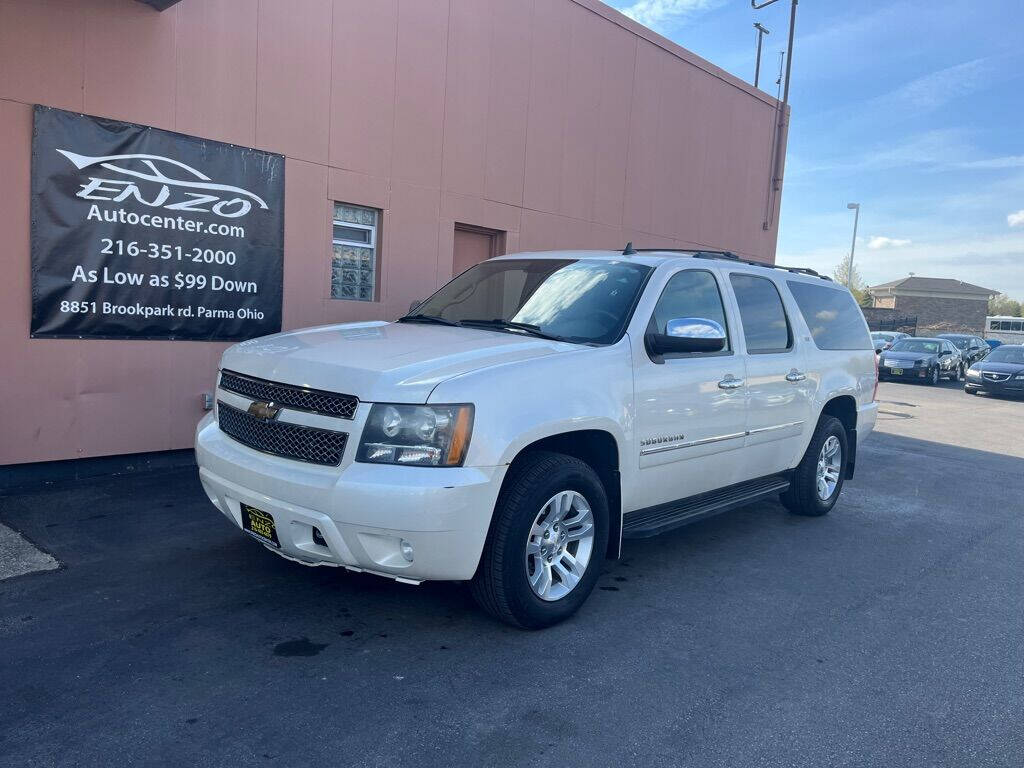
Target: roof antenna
628 250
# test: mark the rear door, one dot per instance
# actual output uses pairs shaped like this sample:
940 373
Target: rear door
779 393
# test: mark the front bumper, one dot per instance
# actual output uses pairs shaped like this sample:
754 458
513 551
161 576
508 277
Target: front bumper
364 511
1005 387
885 371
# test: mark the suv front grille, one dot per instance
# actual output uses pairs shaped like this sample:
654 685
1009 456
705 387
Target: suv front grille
315 400
292 441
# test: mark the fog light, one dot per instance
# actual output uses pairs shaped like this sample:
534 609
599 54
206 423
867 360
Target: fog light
406 550
318 538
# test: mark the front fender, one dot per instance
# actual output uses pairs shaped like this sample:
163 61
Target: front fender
519 403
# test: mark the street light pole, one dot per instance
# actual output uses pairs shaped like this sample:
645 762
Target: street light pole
761 32
855 207
776 181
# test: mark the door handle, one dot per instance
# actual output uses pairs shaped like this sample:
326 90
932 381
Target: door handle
730 383
795 375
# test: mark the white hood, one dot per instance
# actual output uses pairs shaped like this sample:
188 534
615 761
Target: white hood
380 362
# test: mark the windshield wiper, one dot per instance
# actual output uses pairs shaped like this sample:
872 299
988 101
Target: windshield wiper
427 319
500 324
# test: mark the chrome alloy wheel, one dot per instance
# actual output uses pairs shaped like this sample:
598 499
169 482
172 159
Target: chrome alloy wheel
559 545
830 462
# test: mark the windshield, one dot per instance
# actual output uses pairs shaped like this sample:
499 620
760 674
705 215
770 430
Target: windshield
916 345
583 301
958 341
1006 355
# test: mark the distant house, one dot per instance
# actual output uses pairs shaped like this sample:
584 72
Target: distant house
940 304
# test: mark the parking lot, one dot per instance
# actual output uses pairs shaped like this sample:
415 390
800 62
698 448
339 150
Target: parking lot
887 633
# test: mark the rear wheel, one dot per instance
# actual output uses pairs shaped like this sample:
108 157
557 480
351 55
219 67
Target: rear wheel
818 479
548 537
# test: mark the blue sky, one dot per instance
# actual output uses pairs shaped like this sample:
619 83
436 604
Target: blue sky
914 109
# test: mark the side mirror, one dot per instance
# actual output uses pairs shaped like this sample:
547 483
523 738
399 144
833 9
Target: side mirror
685 335
944 353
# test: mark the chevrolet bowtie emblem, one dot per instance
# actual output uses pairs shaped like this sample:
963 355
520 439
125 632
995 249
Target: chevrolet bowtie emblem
264 410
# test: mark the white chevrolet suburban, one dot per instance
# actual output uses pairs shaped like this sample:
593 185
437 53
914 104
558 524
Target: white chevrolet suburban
518 424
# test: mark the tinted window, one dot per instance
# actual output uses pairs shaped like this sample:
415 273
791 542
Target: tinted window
922 346
1005 354
765 326
958 341
693 293
585 301
832 315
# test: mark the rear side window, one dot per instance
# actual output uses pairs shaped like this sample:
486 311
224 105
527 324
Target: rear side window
832 315
765 326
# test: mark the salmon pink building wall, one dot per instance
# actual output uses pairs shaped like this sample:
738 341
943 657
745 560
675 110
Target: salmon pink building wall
560 123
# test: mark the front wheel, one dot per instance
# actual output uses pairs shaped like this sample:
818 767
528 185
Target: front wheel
818 479
933 376
548 537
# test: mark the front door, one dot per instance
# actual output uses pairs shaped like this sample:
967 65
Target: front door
690 409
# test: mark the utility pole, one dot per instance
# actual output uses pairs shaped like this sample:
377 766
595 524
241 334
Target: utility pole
761 32
776 184
853 246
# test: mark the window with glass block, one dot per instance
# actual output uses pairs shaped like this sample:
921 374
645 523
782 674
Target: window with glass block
354 260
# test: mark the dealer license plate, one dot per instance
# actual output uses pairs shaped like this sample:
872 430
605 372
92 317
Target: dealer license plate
896 371
260 525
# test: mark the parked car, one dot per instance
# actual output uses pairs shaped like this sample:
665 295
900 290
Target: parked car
971 348
882 340
1000 373
534 412
993 343
921 359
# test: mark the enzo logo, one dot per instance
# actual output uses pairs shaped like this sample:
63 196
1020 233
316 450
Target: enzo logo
222 199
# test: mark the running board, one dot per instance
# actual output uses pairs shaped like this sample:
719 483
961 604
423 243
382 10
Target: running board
651 521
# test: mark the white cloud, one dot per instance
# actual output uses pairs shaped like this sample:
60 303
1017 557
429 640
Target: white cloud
989 260
879 242
1016 219
652 13
942 86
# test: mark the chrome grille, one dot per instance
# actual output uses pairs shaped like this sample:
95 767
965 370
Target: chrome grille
996 376
292 441
315 400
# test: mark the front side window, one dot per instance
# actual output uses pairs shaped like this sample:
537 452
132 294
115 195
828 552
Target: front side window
354 260
765 325
832 315
690 293
586 301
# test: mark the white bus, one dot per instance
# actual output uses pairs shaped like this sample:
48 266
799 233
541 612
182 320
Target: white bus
1009 330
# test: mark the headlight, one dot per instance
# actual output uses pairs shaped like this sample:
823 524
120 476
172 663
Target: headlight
973 374
417 435
1019 376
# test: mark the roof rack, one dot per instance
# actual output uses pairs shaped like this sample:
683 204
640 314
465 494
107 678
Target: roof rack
727 255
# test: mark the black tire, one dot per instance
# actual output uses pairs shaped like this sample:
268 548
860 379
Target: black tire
961 373
501 585
802 496
933 377
970 391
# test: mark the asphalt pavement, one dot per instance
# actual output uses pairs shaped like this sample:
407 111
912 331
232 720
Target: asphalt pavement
888 633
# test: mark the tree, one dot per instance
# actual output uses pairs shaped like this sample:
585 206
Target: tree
856 283
1004 305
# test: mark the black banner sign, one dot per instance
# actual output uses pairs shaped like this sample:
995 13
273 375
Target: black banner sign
139 233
